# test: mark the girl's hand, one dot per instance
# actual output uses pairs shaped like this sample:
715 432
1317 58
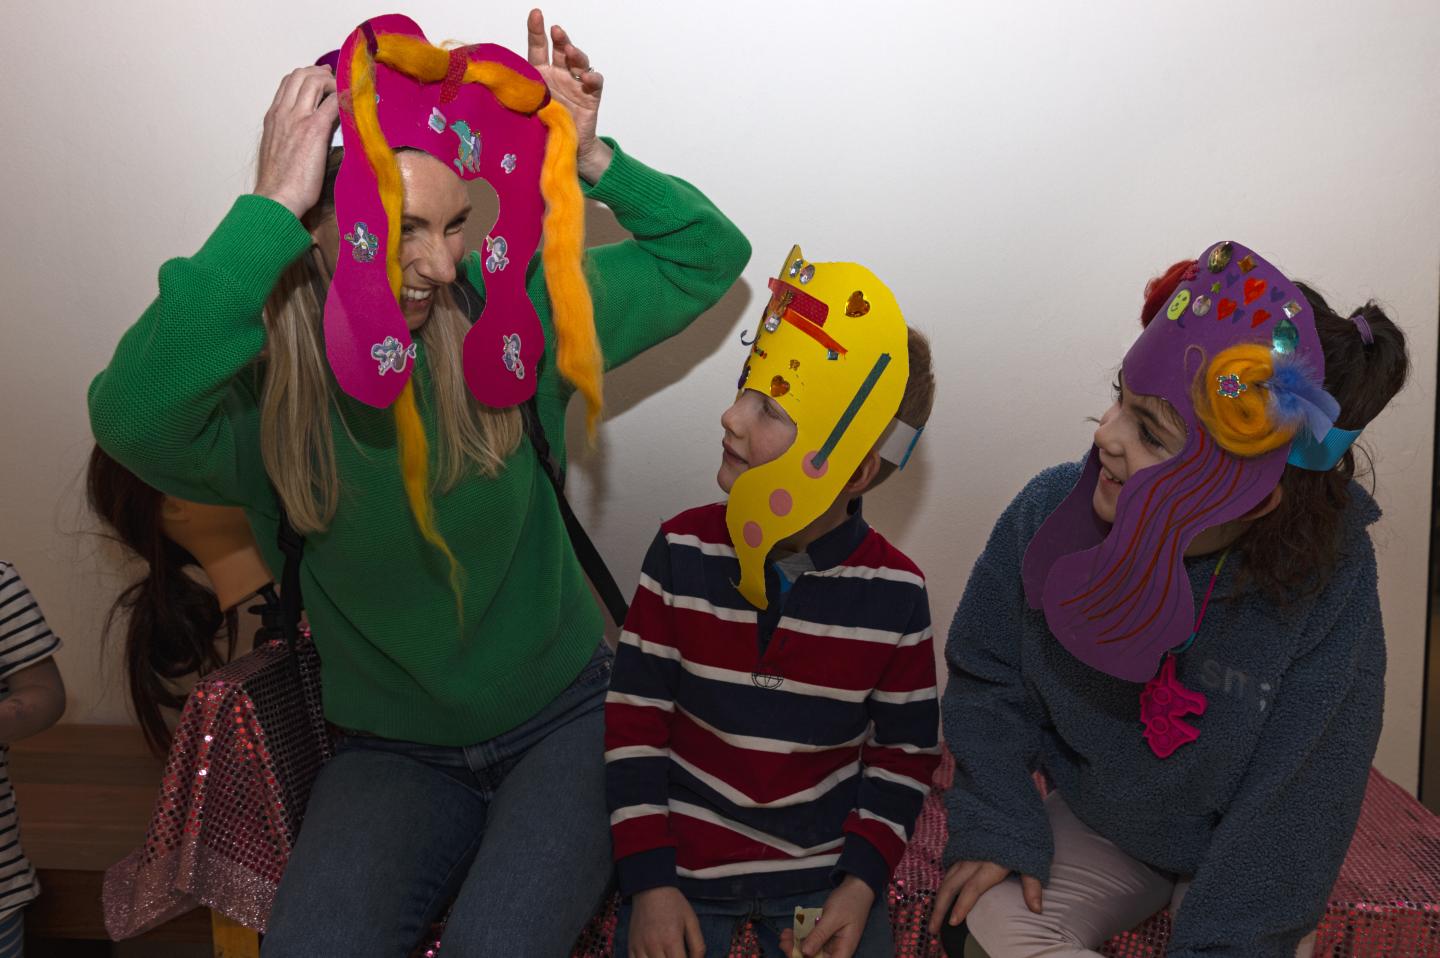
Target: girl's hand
663 925
965 882
566 71
840 927
296 139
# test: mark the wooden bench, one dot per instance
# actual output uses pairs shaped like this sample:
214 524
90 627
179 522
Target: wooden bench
85 794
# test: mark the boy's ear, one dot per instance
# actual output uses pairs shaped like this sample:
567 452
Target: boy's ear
864 475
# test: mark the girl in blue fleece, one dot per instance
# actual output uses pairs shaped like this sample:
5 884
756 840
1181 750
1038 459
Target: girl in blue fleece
1183 634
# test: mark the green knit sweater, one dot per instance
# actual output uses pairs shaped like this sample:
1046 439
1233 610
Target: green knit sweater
179 406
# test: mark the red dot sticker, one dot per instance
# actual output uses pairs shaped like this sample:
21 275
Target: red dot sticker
781 502
753 535
811 470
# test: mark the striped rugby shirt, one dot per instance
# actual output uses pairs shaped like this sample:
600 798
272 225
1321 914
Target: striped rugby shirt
726 787
25 639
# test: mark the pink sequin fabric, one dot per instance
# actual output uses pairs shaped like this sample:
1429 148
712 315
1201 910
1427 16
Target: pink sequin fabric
249 743
1385 903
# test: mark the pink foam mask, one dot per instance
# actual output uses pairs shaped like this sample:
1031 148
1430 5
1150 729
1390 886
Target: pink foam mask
463 125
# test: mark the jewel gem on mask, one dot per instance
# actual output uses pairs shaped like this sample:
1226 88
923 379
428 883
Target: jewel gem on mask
1230 386
1201 305
856 305
1285 337
1219 257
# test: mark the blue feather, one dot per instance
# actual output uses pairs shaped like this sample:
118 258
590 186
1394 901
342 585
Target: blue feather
1298 398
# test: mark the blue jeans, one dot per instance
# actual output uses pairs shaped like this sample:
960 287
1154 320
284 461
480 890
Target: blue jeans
514 829
720 921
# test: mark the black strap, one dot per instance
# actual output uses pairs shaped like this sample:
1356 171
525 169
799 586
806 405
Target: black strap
590 559
292 545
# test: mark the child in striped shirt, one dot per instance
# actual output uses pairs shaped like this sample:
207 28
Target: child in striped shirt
32 698
766 753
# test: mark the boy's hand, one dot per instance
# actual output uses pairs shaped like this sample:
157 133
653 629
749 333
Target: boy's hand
838 932
965 882
663 925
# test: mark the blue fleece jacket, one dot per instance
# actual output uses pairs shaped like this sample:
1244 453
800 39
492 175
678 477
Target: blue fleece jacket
1258 811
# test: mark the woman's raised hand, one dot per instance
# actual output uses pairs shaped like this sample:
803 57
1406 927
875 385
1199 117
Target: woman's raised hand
296 139
567 72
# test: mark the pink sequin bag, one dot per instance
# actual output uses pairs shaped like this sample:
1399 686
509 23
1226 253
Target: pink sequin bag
250 741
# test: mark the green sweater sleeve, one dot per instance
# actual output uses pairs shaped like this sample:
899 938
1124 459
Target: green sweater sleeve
683 255
173 405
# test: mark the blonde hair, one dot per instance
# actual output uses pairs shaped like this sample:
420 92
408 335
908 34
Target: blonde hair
298 397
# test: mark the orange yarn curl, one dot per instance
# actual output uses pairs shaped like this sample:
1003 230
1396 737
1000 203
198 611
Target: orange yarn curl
1240 424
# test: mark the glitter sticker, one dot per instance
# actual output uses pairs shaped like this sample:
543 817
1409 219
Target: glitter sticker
392 355
1230 386
497 248
363 243
508 163
437 120
857 305
778 386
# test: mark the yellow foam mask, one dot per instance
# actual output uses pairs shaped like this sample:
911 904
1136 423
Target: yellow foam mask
832 350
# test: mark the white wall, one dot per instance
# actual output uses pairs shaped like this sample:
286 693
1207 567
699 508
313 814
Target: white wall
1015 171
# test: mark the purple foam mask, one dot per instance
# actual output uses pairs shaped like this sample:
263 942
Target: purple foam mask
465 127
1118 596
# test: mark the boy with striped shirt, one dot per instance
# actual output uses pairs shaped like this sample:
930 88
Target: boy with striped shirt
764 756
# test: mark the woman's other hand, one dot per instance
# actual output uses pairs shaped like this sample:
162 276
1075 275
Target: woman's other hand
566 70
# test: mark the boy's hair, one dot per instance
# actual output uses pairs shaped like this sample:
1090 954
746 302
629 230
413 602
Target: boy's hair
919 396
1291 552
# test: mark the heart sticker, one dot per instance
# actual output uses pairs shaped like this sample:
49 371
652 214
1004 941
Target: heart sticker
1227 306
1254 288
857 306
1260 316
779 387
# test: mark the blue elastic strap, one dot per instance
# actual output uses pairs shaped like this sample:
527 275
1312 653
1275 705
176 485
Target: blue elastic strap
1321 456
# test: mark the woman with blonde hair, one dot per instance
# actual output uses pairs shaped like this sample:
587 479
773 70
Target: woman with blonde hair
461 652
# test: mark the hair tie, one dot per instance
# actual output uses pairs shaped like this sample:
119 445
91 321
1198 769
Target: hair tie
1367 336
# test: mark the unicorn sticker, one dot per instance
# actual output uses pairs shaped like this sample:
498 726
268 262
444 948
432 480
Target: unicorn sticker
391 355
469 159
511 346
497 260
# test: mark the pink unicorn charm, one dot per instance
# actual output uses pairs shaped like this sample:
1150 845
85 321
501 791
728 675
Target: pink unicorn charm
1163 702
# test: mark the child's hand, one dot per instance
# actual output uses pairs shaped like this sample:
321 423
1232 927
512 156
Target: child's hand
663 925
965 882
838 932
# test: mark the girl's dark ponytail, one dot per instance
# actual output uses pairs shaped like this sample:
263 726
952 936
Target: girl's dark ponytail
1292 551
171 618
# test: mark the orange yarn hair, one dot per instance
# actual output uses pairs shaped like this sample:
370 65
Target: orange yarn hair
413 447
577 349
1240 424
